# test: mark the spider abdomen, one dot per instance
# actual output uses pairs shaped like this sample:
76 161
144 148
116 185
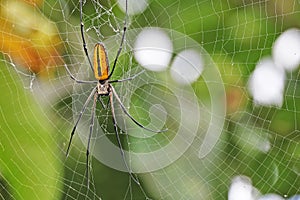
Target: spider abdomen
101 65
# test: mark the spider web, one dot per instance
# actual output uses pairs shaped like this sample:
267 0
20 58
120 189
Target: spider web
216 129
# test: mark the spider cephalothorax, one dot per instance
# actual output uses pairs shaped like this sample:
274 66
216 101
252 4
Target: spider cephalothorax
103 88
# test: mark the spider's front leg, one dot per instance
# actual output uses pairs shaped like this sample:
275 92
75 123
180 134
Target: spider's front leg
127 79
75 79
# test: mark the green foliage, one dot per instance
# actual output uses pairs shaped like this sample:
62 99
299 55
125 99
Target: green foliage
29 165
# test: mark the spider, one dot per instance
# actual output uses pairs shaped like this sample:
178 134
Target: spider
100 67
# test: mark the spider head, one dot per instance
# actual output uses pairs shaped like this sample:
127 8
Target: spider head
103 88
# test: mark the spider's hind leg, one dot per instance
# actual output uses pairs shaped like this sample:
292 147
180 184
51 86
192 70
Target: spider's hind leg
101 102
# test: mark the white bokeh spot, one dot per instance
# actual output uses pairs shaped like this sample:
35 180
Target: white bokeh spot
266 83
271 197
187 66
286 50
295 197
241 188
153 49
134 6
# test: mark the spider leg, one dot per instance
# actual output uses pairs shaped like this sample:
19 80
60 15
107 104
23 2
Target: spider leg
82 36
79 117
118 138
122 40
101 101
89 139
76 80
127 79
127 113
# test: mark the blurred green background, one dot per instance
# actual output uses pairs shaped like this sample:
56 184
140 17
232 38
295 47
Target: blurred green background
38 37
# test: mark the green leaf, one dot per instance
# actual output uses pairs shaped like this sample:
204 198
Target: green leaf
29 165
